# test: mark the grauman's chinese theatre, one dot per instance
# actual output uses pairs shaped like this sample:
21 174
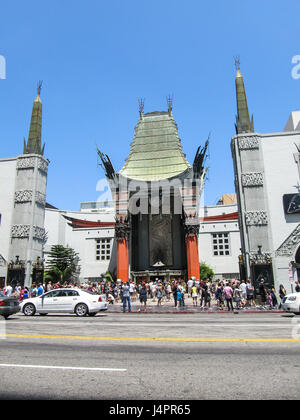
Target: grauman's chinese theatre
157 197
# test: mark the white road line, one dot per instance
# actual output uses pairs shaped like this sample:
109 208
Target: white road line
63 368
159 324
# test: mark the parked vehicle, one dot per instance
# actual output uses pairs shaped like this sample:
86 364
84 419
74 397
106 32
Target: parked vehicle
8 305
76 301
291 303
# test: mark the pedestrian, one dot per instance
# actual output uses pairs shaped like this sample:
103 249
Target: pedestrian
297 287
175 296
282 294
190 284
262 292
250 293
179 296
143 296
40 290
159 295
270 300
237 296
194 294
126 297
274 298
228 292
8 290
220 295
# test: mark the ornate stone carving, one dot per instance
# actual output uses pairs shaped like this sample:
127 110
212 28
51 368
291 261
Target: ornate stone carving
260 258
256 218
43 165
246 143
122 228
40 198
39 233
25 163
191 226
252 179
23 196
290 245
20 231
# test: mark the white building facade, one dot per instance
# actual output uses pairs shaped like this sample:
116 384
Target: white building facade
267 184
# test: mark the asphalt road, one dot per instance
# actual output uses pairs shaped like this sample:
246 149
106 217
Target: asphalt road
150 357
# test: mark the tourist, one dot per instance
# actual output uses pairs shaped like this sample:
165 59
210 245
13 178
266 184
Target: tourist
274 298
8 290
40 290
228 292
143 296
194 294
168 291
237 296
262 292
190 285
159 295
126 297
243 287
220 295
132 290
175 295
250 293
282 294
270 300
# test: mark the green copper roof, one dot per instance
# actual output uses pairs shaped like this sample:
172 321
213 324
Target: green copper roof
156 151
34 143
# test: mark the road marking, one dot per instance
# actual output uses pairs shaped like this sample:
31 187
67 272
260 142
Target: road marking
196 340
63 368
158 324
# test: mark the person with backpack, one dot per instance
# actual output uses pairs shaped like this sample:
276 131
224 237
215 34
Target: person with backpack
143 295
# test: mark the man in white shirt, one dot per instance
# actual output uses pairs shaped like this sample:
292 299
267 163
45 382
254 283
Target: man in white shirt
8 290
190 284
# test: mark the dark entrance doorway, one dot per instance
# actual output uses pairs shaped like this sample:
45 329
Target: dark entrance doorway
262 271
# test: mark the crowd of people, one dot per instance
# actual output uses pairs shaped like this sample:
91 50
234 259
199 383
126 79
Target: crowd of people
223 295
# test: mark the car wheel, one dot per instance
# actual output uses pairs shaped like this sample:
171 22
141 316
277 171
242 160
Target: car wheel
29 309
93 314
5 316
81 309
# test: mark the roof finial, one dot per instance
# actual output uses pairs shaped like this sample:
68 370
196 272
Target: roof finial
39 87
237 62
141 106
170 103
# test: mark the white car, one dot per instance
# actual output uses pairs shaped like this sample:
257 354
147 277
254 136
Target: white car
70 300
291 303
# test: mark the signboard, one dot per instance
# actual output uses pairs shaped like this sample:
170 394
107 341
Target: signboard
291 203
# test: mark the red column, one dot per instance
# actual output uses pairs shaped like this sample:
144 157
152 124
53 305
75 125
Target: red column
122 259
192 256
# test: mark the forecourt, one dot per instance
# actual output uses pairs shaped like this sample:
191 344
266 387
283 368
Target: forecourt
153 356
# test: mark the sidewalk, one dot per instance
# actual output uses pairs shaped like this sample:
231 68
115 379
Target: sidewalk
168 307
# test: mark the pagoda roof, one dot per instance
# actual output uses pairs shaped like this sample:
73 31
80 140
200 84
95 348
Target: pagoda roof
156 152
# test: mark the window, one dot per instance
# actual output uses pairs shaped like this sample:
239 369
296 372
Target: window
103 249
221 246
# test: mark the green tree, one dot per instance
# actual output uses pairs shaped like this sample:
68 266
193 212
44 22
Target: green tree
206 272
62 264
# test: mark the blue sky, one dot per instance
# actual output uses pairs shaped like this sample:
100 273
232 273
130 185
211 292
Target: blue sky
96 58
